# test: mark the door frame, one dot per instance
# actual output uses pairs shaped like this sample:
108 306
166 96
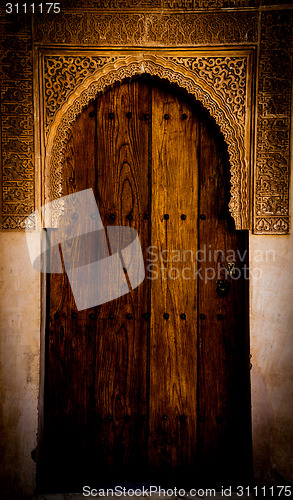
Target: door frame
195 71
55 119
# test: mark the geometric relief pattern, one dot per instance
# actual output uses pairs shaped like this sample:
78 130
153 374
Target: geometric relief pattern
227 75
162 4
62 74
17 128
142 28
155 24
272 169
218 82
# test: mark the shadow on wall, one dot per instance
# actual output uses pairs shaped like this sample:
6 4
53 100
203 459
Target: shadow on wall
19 366
271 340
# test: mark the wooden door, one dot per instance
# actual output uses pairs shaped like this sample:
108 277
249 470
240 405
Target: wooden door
155 384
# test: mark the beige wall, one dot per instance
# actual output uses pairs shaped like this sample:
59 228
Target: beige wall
271 338
19 366
271 324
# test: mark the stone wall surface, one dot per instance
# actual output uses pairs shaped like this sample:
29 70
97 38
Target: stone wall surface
271 347
19 366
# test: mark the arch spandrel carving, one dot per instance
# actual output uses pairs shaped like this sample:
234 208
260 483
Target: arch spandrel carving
199 76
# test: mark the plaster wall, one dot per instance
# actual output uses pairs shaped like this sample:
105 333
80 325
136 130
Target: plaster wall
19 366
271 325
271 346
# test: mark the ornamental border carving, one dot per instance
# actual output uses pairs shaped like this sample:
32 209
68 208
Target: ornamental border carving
273 123
17 123
184 26
177 69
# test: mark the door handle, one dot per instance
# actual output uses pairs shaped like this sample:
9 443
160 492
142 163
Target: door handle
223 285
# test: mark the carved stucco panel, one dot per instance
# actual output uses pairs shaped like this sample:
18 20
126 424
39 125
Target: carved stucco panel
17 122
62 74
200 76
272 166
156 23
159 29
162 4
227 75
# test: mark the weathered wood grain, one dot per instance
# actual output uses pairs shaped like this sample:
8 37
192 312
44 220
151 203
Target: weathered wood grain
69 396
223 365
122 342
154 384
173 341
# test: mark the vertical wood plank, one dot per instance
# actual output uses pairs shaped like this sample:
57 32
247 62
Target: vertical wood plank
223 376
70 336
173 341
122 330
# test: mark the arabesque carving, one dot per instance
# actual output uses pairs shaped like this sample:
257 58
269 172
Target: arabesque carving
146 25
162 4
272 167
198 76
62 74
118 28
226 74
17 123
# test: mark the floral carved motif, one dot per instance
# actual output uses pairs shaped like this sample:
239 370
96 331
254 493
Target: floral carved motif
271 182
143 28
17 129
227 75
62 75
162 4
153 25
227 112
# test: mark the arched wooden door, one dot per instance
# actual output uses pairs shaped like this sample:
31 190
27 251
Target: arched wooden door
153 385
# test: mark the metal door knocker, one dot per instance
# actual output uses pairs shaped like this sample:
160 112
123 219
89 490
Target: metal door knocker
223 285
